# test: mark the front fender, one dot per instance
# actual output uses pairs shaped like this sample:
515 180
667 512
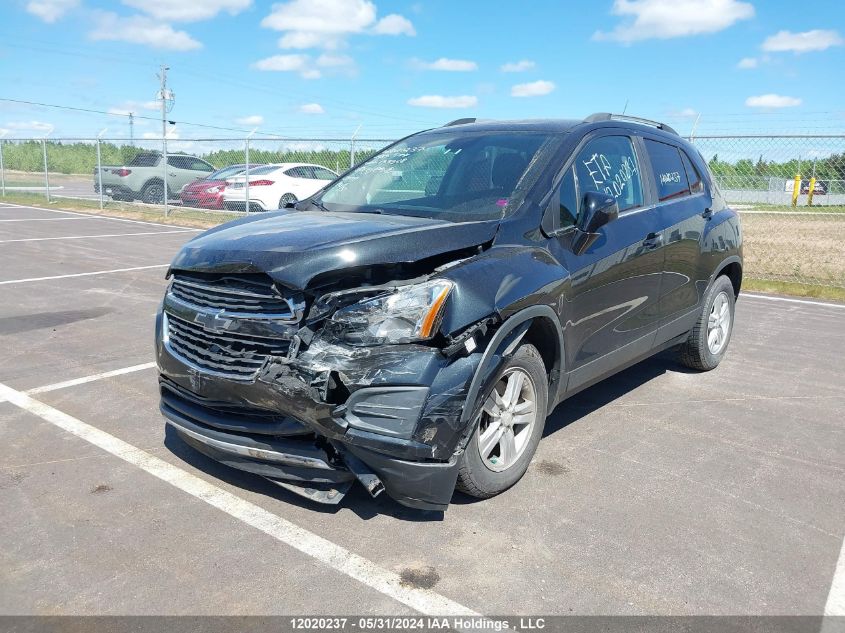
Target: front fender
502 281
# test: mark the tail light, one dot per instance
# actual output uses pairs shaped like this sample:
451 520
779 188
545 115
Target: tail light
261 183
121 172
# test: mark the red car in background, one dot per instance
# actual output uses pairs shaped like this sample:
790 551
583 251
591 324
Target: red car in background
208 193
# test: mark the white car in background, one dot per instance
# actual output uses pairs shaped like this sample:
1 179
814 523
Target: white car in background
273 186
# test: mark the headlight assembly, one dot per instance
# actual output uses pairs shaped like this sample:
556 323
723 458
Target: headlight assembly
408 314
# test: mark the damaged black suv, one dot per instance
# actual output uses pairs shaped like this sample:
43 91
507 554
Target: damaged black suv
412 325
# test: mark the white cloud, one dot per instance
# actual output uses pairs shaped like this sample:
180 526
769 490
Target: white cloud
517 67
185 10
139 29
326 23
311 108
38 126
301 39
394 24
748 62
50 10
815 40
533 89
439 101
664 19
772 101
252 119
307 67
171 134
284 63
449 65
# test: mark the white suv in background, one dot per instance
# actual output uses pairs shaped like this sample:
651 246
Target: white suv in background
273 186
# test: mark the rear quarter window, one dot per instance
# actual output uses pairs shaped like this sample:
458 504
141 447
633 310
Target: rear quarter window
668 168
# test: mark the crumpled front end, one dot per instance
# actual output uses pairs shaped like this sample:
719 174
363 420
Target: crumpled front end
249 380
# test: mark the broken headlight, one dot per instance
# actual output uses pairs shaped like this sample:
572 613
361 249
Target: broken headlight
408 314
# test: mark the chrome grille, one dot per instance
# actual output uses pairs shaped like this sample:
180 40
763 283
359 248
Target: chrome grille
229 354
235 296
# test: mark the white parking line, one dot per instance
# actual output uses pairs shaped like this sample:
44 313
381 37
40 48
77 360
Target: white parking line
9 205
85 237
96 272
93 217
338 558
751 295
835 604
92 378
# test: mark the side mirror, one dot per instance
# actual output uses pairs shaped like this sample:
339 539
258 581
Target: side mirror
597 209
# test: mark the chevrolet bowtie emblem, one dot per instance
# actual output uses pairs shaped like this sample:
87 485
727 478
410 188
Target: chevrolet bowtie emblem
212 321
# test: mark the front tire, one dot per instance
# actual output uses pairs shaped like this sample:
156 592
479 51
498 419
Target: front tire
708 340
509 429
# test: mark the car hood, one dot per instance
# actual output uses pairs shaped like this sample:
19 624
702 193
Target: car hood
199 185
293 247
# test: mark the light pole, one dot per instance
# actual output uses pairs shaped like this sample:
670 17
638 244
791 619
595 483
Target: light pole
168 98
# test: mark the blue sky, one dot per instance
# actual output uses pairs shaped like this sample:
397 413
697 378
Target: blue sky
323 67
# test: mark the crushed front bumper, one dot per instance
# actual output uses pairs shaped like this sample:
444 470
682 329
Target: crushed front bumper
314 424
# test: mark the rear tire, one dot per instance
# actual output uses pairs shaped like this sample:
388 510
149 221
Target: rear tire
708 340
153 192
287 198
509 427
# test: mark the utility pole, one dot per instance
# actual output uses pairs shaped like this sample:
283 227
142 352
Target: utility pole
132 129
163 95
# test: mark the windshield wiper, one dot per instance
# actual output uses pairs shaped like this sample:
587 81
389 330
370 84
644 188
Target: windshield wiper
319 205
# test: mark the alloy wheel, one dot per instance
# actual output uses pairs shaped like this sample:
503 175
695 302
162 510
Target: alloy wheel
718 323
507 420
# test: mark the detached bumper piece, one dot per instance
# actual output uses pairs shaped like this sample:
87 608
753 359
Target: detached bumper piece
294 457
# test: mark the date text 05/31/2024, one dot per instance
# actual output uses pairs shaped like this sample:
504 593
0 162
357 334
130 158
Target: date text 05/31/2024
406 623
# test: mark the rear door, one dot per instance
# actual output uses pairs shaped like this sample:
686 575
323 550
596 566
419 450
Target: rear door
610 313
682 202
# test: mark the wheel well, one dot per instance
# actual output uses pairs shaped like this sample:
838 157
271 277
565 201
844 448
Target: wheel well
542 335
733 271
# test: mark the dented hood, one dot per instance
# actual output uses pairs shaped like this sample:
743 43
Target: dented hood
294 247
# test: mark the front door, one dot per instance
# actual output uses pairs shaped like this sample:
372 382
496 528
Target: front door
610 311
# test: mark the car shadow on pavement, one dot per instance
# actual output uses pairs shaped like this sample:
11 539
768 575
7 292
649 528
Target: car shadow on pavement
612 388
357 500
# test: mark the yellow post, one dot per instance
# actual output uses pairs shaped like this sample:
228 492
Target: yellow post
810 194
796 190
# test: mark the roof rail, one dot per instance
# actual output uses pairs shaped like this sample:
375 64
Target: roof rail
607 116
463 121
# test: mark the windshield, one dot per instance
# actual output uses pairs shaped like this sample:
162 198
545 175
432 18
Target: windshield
460 177
226 172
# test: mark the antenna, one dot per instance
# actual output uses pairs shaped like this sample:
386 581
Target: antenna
625 109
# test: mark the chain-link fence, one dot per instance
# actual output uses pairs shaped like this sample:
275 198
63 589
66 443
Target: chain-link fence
790 190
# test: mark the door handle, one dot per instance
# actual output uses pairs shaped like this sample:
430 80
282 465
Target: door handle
708 213
653 240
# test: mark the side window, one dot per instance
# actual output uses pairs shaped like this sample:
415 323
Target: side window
324 174
568 199
695 183
199 165
178 162
668 170
609 164
296 172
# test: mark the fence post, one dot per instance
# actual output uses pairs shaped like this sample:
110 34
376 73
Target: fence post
810 192
99 174
46 171
246 176
796 189
2 169
164 166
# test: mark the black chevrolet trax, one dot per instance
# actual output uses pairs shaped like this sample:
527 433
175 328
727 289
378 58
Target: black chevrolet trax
412 325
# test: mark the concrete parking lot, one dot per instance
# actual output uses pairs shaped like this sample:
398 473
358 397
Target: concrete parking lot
659 491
